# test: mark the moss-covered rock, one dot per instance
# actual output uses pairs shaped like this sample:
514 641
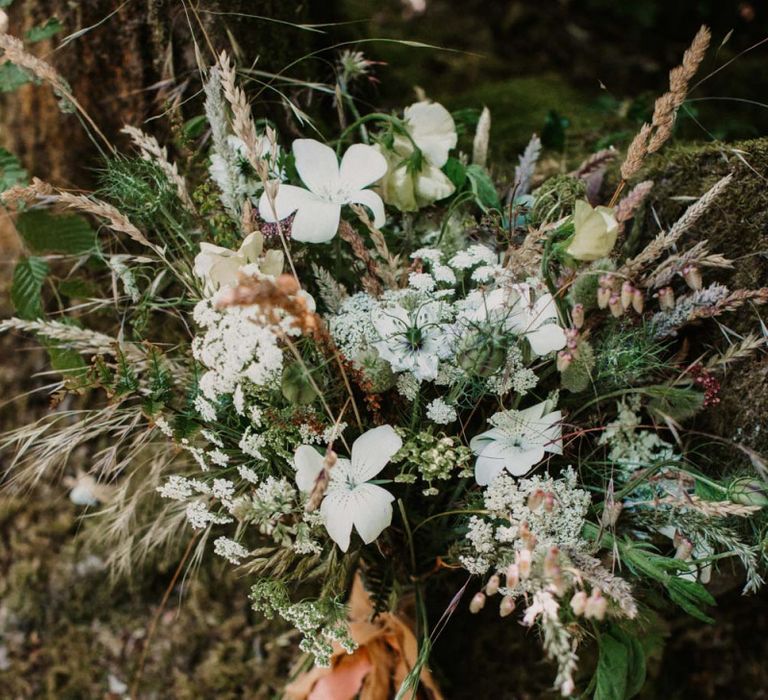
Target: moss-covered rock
736 226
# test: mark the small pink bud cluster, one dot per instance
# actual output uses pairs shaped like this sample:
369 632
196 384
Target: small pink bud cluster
572 341
592 607
619 298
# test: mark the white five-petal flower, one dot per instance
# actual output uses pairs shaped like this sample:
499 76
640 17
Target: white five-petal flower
328 188
517 442
350 500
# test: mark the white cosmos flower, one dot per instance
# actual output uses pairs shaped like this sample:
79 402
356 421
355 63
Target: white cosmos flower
220 267
517 442
350 500
412 341
328 188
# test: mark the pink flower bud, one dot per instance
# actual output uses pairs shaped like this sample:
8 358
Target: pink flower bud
596 606
638 301
512 575
667 298
614 304
564 359
549 501
577 314
692 276
535 499
492 587
603 297
507 606
551 563
477 603
523 559
627 292
579 603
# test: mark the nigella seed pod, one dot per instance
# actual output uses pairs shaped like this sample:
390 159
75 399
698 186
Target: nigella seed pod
507 606
638 301
492 587
603 297
749 492
627 292
692 277
512 575
577 314
614 304
477 603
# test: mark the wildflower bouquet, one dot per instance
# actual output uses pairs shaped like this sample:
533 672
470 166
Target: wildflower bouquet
369 362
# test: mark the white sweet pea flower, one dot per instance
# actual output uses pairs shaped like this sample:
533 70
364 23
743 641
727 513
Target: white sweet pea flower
432 129
517 442
220 267
328 188
595 232
412 340
350 500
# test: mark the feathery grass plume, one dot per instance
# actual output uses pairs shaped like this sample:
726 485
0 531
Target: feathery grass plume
629 204
526 167
698 255
14 51
83 340
736 352
482 138
242 119
42 192
636 153
372 275
593 163
151 150
331 292
733 301
391 271
666 239
216 113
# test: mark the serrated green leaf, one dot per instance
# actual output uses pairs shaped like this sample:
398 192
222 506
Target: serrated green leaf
12 77
26 287
45 31
77 288
483 188
691 597
456 172
11 172
46 233
611 677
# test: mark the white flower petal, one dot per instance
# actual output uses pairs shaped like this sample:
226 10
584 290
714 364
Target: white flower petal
316 163
288 199
337 516
308 463
362 166
489 464
370 199
520 461
372 450
371 510
432 184
433 129
546 339
316 222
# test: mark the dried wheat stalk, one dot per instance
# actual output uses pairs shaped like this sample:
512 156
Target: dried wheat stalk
736 352
732 302
373 273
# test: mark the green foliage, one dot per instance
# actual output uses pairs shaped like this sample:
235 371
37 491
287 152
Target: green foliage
44 31
69 363
556 198
11 172
626 356
621 666
553 133
483 188
296 385
584 288
12 77
456 172
691 597
676 402
27 286
48 233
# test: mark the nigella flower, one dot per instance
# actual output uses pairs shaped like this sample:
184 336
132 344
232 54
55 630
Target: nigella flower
328 188
517 442
411 340
350 499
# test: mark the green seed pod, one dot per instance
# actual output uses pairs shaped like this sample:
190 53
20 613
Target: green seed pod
749 492
482 354
296 385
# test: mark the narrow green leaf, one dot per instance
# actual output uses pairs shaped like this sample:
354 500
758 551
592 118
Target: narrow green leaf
27 286
46 233
45 31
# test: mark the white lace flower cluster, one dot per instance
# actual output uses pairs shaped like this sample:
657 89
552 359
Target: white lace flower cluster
532 514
